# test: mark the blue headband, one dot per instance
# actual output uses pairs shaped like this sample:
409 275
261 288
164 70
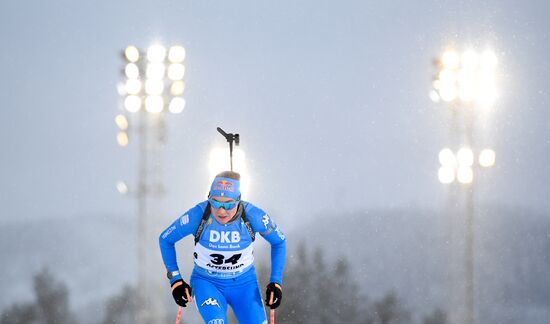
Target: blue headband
225 187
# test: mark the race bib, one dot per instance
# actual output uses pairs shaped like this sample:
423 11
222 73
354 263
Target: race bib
224 261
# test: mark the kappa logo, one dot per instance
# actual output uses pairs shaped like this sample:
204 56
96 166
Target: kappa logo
224 185
210 302
265 220
184 219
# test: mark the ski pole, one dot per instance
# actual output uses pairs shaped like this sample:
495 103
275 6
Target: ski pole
180 310
188 296
271 311
179 315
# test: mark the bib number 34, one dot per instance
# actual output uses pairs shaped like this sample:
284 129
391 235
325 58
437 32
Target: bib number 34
218 259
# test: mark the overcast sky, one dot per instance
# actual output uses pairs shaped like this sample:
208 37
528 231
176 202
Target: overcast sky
330 98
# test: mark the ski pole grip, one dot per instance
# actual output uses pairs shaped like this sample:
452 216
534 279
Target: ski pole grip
189 300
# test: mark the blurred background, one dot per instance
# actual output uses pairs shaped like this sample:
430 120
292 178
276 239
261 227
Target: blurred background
401 146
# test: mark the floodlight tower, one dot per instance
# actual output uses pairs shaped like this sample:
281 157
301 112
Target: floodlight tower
152 87
466 81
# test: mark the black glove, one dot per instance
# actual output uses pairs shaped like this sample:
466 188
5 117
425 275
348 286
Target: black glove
275 289
181 292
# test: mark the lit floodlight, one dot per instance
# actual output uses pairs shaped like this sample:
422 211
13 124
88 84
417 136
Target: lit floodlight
176 71
450 59
447 85
154 104
176 54
466 93
131 53
446 174
156 53
469 60
131 71
434 96
465 174
133 86
132 103
465 157
447 76
122 138
121 187
487 158
155 70
448 93
121 122
176 105
447 158
177 88
154 87
219 161
466 78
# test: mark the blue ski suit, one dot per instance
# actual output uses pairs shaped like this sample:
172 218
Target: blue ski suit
224 272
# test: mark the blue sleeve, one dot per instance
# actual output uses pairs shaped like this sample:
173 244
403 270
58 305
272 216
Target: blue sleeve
180 228
263 224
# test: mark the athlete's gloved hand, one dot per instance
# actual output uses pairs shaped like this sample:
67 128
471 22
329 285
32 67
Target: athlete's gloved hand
277 291
181 292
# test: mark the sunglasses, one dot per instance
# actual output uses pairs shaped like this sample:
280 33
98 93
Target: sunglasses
225 205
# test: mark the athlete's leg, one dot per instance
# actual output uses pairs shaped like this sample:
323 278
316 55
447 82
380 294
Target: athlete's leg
209 301
246 302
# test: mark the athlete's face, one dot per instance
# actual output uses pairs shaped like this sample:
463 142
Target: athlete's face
223 216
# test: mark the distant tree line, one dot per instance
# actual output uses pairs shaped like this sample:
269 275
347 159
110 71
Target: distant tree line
315 291
323 291
50 304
